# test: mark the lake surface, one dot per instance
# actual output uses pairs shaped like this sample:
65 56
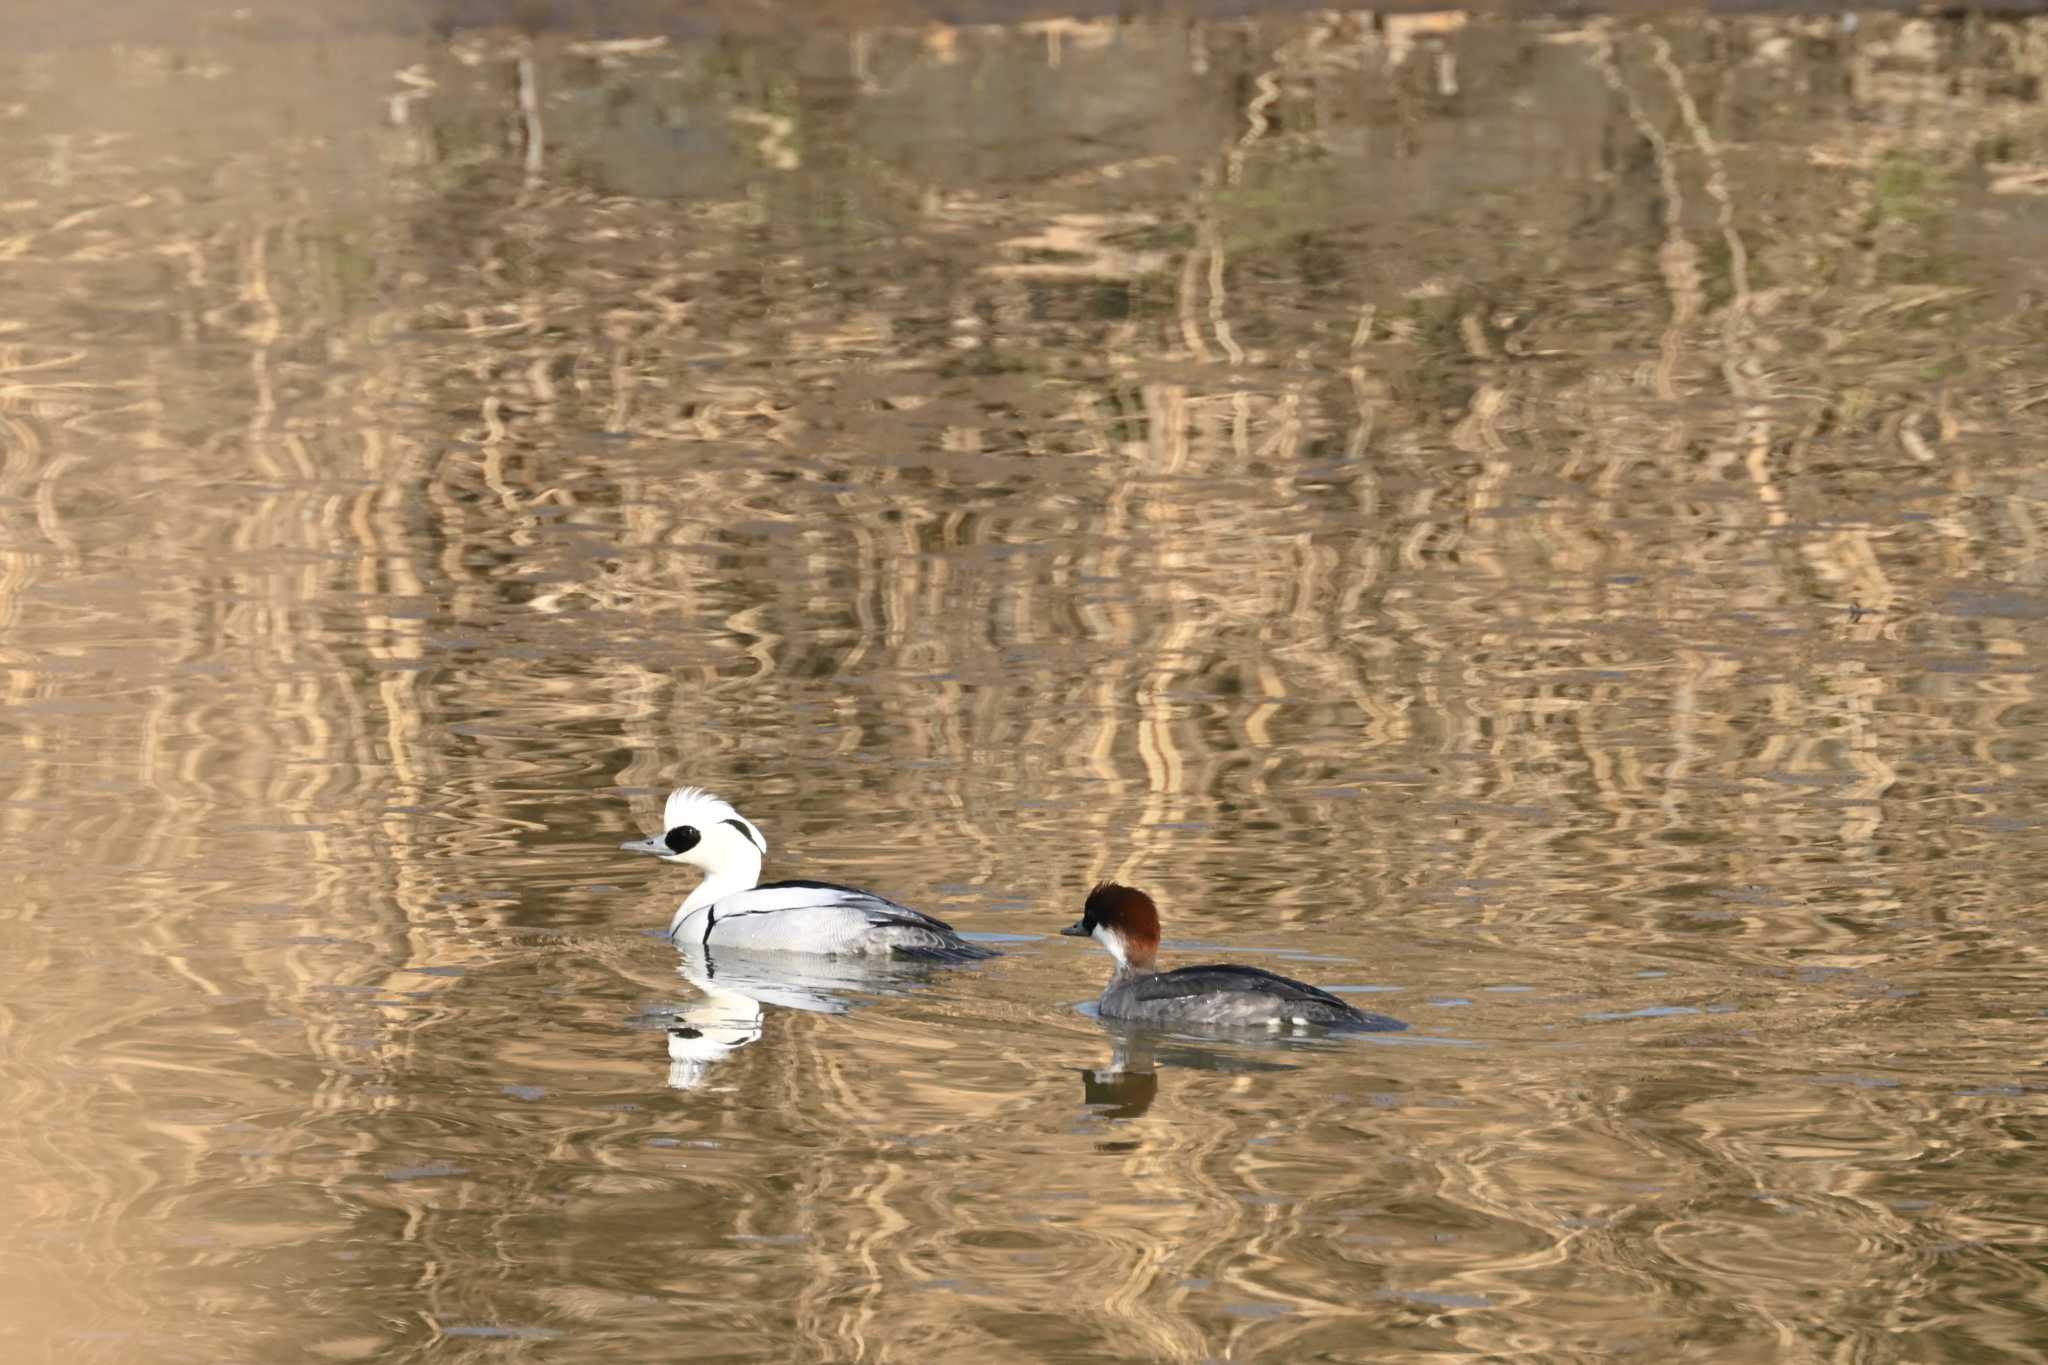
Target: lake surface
1541 525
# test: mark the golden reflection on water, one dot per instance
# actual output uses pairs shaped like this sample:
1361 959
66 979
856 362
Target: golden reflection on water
1540 520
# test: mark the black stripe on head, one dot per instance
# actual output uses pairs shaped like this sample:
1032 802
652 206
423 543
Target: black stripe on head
748 830
681 839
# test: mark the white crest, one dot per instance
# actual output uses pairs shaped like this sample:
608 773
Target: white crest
699 808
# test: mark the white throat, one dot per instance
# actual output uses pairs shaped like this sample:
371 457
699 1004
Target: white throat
738 869
1114 942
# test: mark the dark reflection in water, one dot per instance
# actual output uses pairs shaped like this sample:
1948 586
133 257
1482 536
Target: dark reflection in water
1125 1087
1544 518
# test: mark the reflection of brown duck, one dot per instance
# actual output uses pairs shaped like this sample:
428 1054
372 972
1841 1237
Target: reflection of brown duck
1222 995
1117 1093
1126 1087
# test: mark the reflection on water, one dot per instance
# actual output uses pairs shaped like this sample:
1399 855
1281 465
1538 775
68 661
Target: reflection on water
734 986
1126 1085
1546 517
709 1031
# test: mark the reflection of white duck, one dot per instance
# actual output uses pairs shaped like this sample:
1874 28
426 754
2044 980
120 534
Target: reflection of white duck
737 985
729 909
707 1031
815 985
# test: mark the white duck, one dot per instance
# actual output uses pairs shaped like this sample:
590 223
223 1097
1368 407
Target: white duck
729 909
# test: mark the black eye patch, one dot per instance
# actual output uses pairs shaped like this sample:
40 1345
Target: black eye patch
681 839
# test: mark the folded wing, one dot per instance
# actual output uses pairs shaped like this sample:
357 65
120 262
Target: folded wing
810 916
1230 977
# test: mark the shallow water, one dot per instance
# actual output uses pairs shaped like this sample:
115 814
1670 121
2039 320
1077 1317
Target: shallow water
1539 525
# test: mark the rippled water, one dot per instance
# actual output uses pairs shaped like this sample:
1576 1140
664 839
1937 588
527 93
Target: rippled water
1538 524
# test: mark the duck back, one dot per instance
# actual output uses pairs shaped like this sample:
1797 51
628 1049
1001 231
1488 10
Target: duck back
1228 995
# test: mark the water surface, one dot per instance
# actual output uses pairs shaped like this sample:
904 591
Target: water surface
1538 524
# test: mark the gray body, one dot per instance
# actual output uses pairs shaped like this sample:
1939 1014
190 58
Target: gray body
1230 996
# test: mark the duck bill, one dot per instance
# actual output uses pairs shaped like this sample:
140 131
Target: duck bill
654 846
1075 930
